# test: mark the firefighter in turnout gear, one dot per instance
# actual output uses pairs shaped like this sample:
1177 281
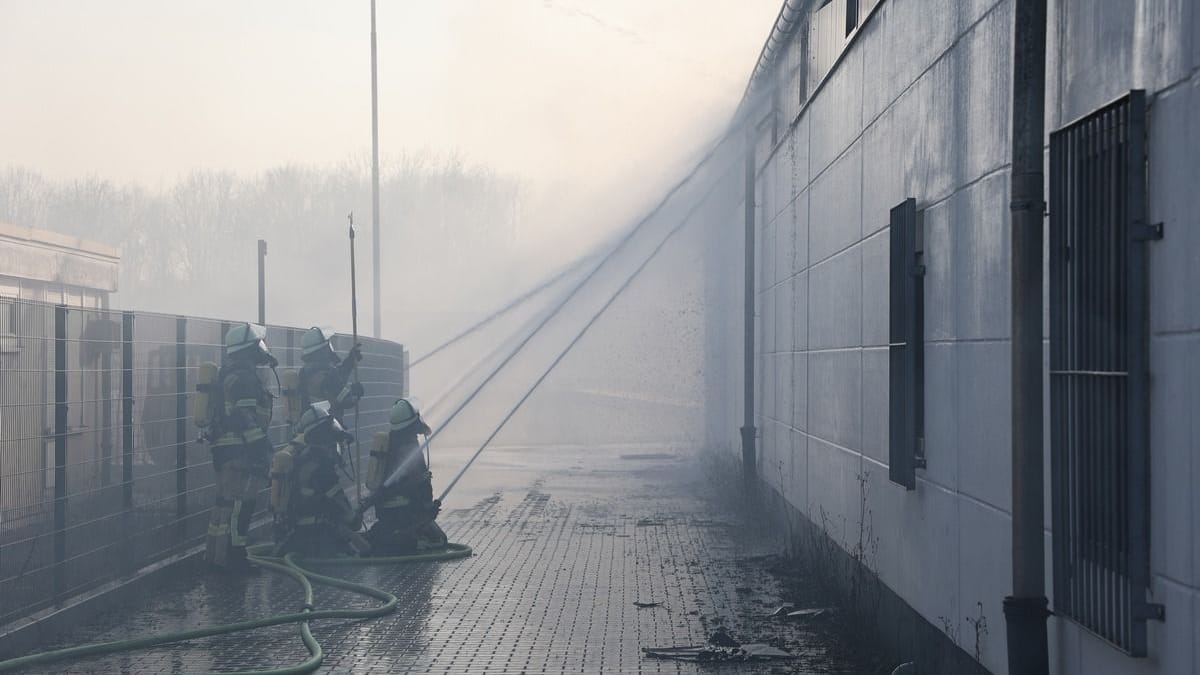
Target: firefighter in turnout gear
325 377
314 515
238 412
402 488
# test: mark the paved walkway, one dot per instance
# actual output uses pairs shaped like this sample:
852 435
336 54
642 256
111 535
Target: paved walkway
566 541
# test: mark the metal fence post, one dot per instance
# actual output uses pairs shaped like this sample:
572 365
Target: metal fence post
106 408
60 449
181 442
127 434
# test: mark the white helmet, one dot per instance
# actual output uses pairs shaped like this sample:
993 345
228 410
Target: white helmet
405 415
314 340
246 336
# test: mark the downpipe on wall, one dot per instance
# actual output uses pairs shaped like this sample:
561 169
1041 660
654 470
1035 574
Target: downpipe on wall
1025 611
749 453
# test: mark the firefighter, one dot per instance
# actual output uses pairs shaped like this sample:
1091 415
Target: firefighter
325 377
314 515
238 408
402 488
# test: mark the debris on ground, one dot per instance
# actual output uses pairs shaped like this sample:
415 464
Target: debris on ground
812 613
909 668
713 653
782 611
721 647
645 605
722 639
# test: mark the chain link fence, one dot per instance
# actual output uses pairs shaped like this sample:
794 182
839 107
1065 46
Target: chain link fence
101 473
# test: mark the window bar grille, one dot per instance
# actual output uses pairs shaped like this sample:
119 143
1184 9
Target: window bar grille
1099 391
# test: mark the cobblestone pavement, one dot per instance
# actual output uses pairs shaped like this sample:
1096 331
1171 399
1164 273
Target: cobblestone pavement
566 540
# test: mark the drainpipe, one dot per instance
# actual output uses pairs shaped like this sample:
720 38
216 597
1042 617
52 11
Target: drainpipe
1025 611
749 461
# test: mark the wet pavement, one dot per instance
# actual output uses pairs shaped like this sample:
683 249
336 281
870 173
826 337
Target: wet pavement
566 541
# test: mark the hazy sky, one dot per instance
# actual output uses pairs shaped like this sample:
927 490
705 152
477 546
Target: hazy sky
585 93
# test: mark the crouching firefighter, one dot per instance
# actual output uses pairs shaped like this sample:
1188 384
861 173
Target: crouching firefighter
402 489
233 409
313 515
323 377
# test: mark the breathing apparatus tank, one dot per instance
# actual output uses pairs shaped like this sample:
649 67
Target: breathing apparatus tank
281 480
293 398
204 412
377 465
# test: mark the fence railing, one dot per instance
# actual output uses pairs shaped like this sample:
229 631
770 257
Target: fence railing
100 470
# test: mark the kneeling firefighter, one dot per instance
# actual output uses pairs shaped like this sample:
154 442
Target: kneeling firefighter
402 488
314 516
233 409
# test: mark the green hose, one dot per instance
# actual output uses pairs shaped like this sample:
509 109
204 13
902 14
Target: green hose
287 565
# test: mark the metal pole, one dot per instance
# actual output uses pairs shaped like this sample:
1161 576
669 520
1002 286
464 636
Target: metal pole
749 454
127 440
60 450
1025 610
354 332
181 430
262 282
376 317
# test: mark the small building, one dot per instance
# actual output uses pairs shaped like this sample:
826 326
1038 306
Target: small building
55 268
38 270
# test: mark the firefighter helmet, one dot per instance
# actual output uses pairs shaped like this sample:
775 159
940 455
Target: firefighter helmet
315 340
246 336
405 415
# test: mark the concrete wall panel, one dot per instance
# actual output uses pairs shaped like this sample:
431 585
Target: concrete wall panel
907 525
835 301
785 245
799 211
1194 443
800 392
1174 150
893 59
941 414
781 176
836 208
985 576
984 410
800 311
833 490
835 397
909 151
796 491
981 259
798 139
1108 47
875 404
982 74
1175 392
784 323
875 310
940 286
836 112
785 382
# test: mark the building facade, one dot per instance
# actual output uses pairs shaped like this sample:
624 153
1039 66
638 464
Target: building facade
40 269
881 139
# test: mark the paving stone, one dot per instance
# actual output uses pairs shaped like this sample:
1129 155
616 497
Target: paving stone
559 562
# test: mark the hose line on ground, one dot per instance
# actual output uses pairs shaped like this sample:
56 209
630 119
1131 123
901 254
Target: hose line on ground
289 565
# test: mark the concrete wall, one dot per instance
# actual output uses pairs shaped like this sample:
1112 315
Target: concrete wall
918 105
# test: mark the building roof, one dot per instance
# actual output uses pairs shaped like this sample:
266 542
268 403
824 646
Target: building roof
39 255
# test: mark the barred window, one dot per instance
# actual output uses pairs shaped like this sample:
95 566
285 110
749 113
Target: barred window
1099 394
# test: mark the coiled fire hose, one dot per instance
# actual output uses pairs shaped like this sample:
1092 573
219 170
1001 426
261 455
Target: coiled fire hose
289 565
